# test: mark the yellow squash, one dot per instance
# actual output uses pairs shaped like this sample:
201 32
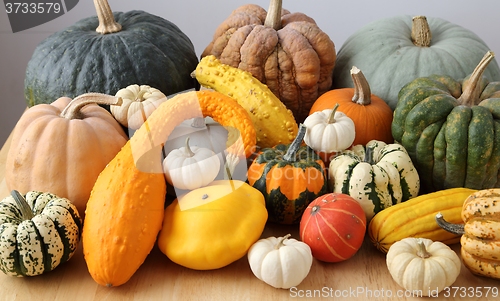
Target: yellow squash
416 218
273 121
213 226
125 211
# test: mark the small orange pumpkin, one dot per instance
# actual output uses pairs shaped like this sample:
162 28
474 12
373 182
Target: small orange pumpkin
372 116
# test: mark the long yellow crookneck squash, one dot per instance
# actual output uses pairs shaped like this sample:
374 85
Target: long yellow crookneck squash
126 207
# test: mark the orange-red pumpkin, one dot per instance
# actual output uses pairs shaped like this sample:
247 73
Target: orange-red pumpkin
334 226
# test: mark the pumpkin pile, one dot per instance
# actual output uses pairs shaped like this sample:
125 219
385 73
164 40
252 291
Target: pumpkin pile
268 140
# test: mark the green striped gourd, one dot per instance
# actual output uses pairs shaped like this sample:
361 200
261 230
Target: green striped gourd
377 175
38 232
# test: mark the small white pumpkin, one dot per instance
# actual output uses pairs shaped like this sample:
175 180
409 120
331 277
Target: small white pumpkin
329 131
423 265
281 262
138 103
191 167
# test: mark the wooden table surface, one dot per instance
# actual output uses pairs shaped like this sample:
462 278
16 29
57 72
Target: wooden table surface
362 277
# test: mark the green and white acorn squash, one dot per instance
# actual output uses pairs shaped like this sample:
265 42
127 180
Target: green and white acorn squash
38 232
377 175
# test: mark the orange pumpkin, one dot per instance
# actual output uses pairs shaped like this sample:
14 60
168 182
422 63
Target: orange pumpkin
372 116
63 146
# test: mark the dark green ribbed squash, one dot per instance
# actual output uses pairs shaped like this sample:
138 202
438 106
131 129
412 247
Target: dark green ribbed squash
451 129
290 176
110 51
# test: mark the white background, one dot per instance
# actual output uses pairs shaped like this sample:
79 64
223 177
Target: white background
198 20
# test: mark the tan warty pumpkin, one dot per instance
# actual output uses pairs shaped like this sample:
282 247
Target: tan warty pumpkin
286 51
481 233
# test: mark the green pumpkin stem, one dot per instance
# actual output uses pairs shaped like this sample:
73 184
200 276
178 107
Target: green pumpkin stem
420 32
23 206
472 86
295 145
331 118
457 229
73 109
362 90
107 23
281 241
273 17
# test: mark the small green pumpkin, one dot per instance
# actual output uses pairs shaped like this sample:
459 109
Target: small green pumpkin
394 51
38 232
451 129
290 176
108 52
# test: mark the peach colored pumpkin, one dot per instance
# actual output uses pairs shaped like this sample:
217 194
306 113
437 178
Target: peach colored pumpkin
63 146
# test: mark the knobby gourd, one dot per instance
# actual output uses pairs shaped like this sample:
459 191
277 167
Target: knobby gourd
131 190
273 121
286 51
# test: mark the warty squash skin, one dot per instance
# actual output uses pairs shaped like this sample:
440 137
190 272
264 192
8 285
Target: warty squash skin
126 207
286 51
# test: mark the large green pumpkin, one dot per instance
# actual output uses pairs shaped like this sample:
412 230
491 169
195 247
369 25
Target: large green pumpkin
290 176
394 51
110 51
451 129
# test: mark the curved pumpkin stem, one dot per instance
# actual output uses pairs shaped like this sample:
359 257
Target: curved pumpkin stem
421 250
281 241
472 86
457 229
273 17
295 145
331 118
26 213
187 149
107 23
73 109
362 90
420 32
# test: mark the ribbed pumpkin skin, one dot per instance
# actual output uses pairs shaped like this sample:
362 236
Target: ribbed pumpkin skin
126 207
372 121
148 50
64 156
38 245
288 186
334 226
385 52
450 144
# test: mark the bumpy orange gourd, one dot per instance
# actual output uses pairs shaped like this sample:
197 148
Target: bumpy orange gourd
126 208
372 116
63 146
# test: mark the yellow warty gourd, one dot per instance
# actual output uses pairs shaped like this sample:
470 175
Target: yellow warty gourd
274 123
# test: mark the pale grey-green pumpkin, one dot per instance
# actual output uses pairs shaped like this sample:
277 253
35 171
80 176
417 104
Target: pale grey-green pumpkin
385 51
